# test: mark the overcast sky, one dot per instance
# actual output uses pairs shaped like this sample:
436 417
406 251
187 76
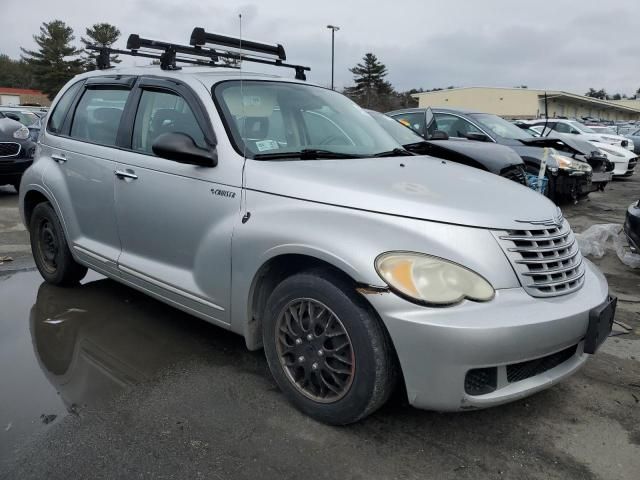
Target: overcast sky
565 44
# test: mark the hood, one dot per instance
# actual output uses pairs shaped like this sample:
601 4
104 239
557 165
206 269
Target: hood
493 156
615 153
564 143
425 188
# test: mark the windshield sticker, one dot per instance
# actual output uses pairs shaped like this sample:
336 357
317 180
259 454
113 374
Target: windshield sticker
267 145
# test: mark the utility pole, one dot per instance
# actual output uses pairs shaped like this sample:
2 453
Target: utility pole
333 32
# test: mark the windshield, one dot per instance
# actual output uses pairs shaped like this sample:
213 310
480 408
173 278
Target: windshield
402 134
25 118
271 118
500 126
581 127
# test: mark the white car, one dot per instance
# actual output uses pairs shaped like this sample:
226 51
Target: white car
623 159
574 127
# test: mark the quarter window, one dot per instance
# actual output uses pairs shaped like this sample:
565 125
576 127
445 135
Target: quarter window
56 119
163 112
98 114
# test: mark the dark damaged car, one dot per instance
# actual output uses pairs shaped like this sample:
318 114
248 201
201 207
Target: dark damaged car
568 177
492 158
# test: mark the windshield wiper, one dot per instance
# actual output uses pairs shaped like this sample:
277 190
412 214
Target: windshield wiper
306 154
396 152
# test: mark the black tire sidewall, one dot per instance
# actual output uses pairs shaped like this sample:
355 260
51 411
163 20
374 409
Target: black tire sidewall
67 271
367 339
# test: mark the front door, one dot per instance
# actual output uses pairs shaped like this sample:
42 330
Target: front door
176 220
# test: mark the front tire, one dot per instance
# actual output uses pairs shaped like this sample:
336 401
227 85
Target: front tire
326 348
50 250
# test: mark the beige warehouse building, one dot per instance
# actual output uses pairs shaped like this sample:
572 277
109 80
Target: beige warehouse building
526 103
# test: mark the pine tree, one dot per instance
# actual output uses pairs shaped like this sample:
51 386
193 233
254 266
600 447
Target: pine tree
52 64
371 89
15 73
102 35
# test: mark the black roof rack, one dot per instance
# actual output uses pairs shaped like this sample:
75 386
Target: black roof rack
203 56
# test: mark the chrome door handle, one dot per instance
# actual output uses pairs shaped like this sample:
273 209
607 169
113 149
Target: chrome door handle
58 158
122 174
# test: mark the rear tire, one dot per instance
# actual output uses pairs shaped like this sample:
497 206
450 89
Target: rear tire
50 250
327 349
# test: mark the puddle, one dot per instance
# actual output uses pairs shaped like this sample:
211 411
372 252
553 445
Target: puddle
65 349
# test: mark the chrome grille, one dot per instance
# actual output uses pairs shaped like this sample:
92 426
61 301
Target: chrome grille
547 260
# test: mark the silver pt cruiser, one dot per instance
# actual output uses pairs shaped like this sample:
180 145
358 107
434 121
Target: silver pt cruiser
283 212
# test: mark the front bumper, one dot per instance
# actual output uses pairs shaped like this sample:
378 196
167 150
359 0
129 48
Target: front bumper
571 184
437 347
625 168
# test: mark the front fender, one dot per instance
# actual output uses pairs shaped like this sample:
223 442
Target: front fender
349 240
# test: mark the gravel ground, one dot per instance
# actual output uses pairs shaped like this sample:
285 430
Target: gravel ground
127 387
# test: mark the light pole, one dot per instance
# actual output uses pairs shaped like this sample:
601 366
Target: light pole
333 33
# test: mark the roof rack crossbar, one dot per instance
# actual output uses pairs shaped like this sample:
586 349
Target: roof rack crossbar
106 51
199 37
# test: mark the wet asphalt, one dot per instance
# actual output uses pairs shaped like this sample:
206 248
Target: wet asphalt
100 381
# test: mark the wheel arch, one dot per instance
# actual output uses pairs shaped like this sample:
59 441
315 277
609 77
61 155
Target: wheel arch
32 198
268 276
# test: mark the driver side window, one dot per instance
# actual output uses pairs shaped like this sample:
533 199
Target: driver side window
163 112
455 126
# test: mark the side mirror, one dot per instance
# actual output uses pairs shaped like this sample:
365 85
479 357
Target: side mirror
439 135
181 148
574 132
477 136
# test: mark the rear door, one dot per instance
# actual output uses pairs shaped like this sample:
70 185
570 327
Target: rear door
175 219
82 144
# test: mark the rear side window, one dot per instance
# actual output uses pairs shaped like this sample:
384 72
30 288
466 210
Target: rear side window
56 119
562 128
97 116
163 112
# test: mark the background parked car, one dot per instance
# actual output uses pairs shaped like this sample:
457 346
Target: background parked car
16 151
632 226
567 177
577 128
623 160
497 159
634 136
25 117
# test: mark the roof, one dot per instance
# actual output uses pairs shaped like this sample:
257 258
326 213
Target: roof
207 75
20 91
550 94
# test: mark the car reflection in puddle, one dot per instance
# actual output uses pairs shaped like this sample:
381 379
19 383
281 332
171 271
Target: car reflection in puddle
93 340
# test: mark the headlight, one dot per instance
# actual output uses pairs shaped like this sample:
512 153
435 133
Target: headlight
22 133
431 280
567 163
